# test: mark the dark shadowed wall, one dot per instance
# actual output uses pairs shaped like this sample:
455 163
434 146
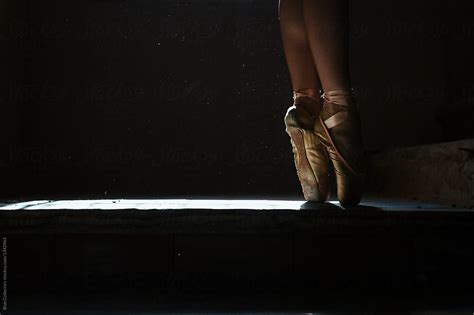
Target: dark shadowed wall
122 97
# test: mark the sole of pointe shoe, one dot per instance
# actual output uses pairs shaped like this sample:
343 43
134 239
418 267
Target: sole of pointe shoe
306 175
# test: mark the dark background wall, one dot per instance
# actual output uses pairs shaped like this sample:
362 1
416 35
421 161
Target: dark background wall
152 98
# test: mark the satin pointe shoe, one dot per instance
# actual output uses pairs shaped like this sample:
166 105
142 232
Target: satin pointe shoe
310 156
339 129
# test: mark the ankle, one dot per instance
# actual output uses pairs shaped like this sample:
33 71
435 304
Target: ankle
311 93
309 101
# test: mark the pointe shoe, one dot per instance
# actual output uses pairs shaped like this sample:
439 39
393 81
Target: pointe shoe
310 156
339 130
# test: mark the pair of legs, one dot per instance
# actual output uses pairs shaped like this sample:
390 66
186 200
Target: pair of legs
315 40
323 131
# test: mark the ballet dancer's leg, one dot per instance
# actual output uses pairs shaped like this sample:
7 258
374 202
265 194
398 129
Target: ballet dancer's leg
310 155
303 74
338 127
327 26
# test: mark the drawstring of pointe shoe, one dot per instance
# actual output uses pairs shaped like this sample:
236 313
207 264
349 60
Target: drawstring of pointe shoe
340 97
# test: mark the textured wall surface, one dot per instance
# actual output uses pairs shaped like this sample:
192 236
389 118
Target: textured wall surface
441 172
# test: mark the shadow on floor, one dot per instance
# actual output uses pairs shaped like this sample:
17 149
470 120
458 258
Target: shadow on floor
311 205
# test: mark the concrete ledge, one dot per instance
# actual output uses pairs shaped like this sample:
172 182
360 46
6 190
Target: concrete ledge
224 249
218 216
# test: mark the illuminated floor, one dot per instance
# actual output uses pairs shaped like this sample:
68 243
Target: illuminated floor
216 204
